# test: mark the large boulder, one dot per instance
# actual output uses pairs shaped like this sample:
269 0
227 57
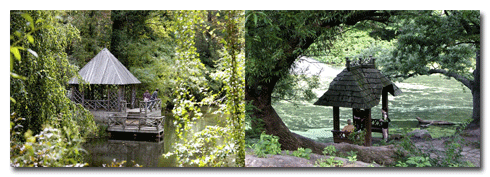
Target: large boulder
292 161
421 134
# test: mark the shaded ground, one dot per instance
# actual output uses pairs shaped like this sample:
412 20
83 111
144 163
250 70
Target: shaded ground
471 152
471 146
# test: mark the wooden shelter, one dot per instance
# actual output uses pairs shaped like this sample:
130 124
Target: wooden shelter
359 86
110 76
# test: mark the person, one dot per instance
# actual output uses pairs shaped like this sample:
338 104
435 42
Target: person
349 127
153 97
146 97
359 119
384 126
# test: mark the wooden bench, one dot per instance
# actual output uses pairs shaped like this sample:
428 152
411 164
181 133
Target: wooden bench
341 136
375 125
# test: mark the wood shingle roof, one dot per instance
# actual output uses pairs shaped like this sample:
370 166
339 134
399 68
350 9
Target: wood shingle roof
104 68
357 87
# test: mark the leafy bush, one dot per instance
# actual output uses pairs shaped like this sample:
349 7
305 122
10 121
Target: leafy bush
418 161
329 150
330 162
352 156
46 149
358 138
268 144
303 153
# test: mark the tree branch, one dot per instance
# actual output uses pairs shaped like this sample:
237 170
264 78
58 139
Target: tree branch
465 81
460 78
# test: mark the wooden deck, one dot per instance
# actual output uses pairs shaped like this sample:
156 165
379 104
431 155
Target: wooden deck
135 122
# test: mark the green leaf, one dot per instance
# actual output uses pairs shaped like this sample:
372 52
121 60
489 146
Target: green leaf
29 20
39 21
16 76
15 51
30 39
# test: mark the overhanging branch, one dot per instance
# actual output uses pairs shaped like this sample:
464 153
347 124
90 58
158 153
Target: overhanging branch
465 81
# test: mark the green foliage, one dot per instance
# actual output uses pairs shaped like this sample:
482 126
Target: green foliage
49 148
411 156
268 144
303 153
95 29
330 162
296 87
353 42
329 150
352 156
195 150
434 40
418 161
249 120
358 137
144 43
40 96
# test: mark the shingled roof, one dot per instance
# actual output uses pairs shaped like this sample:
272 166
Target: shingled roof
104 68
357 87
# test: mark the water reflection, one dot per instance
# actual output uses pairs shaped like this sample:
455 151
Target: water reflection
143 149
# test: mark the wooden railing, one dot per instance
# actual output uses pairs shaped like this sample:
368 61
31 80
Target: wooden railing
135 123
150 106
105 104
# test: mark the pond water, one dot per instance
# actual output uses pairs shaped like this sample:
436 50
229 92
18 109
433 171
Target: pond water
431 97
145 150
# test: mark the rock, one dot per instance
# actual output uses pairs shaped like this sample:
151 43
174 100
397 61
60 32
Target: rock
383 155
292 161
421 134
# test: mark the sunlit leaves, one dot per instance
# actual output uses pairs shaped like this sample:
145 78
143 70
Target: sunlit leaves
212 147
40 95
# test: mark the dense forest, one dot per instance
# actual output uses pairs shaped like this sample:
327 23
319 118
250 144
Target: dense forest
194 58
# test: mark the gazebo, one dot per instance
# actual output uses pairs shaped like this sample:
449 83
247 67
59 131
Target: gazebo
107 78
359 86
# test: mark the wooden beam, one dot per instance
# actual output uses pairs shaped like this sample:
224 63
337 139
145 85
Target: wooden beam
384 99
368 137
336 120
133 95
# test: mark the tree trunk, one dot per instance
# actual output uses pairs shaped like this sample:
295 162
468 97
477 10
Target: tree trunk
260 92
260 97
475 91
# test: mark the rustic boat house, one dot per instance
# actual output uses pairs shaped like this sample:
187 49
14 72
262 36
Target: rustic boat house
359 86
108 79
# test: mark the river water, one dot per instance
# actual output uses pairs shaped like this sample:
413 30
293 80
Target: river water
144 150
433 97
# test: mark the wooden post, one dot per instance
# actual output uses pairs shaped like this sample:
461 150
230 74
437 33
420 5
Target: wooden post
336 121
133 95
368 136
385 100
120 96
347 63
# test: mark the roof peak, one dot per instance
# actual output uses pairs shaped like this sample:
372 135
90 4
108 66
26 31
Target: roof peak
360 63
